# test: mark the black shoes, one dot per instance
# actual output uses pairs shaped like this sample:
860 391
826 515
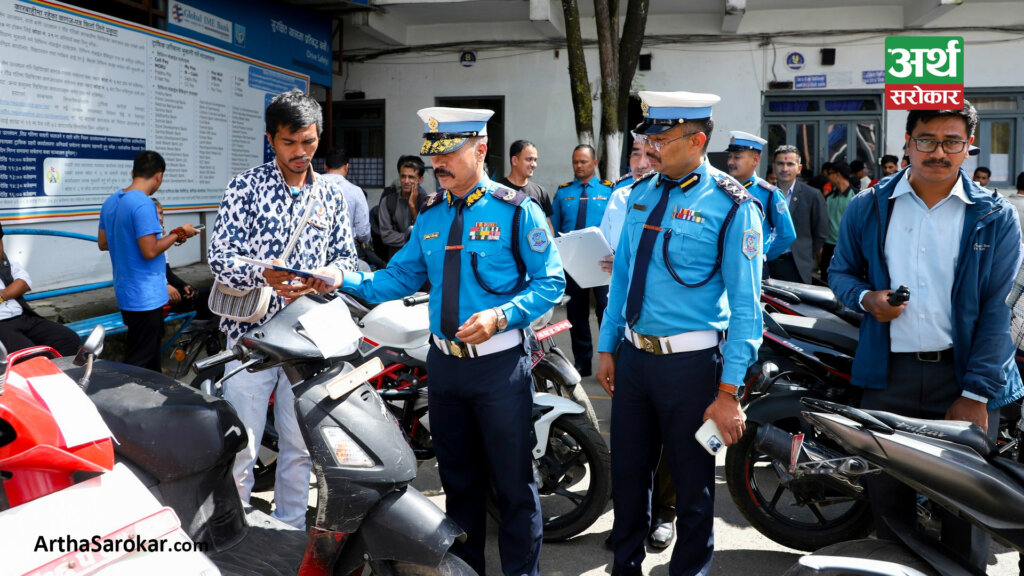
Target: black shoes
584 370
662 535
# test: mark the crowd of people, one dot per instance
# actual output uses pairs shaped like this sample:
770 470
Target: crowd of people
679 323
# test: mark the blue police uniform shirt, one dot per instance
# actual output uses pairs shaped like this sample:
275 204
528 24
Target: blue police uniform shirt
487 233
729 300
778 225
566 203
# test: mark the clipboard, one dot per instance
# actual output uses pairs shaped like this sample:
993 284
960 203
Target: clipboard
581 250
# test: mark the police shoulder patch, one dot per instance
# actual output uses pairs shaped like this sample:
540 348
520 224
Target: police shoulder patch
509 195
734 189
538 239
433 200
607 183
751 243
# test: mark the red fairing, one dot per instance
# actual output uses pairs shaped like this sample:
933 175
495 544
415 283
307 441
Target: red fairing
37 458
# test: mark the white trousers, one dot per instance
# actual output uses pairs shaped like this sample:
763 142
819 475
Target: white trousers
249 393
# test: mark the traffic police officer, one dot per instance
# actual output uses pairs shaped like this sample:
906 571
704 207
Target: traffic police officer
466 242
744 154
578 204
688 267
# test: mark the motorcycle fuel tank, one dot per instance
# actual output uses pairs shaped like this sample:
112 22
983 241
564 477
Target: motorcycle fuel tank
395 325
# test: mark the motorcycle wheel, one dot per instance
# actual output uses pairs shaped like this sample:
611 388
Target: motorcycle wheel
869 549
546 379
810 520
573 478
451 565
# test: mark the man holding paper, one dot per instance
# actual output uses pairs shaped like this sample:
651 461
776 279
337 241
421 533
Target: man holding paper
488 255
261 211
578 204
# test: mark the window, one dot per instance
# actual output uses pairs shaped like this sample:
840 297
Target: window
826 127
1000 136
359 128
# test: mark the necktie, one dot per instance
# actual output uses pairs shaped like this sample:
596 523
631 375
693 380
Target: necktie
637 284
452 275
581 214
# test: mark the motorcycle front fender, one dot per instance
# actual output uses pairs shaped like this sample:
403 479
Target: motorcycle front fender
779 406
555 361
405 527
555 406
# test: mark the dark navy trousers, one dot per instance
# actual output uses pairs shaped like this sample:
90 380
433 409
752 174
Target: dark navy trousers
577 311
480 420
659 401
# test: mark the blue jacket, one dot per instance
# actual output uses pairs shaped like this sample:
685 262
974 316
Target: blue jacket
990 255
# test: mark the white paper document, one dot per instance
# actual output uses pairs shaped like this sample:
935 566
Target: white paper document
332 329
580 251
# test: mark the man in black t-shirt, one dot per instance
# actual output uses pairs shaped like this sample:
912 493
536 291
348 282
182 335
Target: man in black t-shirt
523 158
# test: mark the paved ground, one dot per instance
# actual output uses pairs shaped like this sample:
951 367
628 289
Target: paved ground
739 549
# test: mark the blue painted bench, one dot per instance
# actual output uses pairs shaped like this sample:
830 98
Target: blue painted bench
112 323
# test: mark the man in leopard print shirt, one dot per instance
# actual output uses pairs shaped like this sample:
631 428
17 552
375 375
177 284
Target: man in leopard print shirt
258 215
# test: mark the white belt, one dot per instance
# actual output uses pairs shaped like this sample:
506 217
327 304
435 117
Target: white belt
685 342
497 343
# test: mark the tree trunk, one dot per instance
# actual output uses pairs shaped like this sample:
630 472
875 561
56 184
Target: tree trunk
629 53
579 81
606 14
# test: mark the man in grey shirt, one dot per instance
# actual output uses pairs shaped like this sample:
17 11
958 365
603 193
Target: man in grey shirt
400 205
336 161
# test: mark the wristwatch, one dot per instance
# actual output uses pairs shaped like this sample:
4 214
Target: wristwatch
731 390
502 319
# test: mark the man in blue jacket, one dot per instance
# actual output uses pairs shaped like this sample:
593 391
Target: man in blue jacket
946 353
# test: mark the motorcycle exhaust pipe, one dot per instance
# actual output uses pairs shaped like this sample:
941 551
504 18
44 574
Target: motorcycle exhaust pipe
782 446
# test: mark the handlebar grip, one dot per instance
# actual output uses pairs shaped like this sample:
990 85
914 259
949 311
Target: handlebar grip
222 357
416 300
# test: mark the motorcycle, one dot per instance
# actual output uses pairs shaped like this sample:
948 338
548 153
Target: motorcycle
367 513
66 507
572 463
952 464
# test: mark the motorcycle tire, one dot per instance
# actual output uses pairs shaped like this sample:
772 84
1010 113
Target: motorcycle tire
774 510
574 475
869 549
451 565
546 379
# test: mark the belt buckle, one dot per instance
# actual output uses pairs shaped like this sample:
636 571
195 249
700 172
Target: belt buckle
929 356
457 349
649 344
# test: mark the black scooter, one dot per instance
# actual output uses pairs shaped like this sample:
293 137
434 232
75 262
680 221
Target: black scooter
181 443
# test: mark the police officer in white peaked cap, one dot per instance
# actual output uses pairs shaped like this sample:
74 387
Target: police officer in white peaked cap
744 155
687 267
467 242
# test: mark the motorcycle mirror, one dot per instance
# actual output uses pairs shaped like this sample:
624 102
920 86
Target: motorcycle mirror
769 370
93 345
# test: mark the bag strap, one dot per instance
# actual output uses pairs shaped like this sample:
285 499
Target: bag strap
302 223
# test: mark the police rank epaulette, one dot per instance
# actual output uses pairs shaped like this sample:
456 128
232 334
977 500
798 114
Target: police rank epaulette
560 186
509 195
607 183
734 189
433 200
766 185
644 178
623 177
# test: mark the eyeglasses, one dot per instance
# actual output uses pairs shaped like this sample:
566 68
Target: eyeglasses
644 140
927 145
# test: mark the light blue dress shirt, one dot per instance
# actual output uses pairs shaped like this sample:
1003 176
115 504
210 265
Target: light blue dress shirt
729 300
922 247
615 212
487 239
566 203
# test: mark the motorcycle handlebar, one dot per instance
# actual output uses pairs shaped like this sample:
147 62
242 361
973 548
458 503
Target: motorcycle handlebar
416 300
217 359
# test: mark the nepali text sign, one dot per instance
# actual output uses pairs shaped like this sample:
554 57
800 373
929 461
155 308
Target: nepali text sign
924 73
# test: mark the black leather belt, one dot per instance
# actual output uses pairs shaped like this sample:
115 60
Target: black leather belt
935 356
785 256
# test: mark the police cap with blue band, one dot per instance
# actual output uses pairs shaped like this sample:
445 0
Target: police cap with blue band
445 130
665 110
740 141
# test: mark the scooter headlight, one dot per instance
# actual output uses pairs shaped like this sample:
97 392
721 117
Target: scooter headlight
347 452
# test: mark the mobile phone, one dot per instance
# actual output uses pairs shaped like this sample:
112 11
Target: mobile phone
899 296
709 437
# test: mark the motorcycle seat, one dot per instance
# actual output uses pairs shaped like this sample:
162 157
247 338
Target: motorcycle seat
820 296
828 331
963 433
170 430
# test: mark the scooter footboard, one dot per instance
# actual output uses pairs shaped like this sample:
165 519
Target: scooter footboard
406 527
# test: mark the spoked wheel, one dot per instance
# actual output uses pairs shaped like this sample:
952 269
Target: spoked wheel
803 514
573 478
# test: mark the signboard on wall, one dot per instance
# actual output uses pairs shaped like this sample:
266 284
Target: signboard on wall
82 93
285 36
